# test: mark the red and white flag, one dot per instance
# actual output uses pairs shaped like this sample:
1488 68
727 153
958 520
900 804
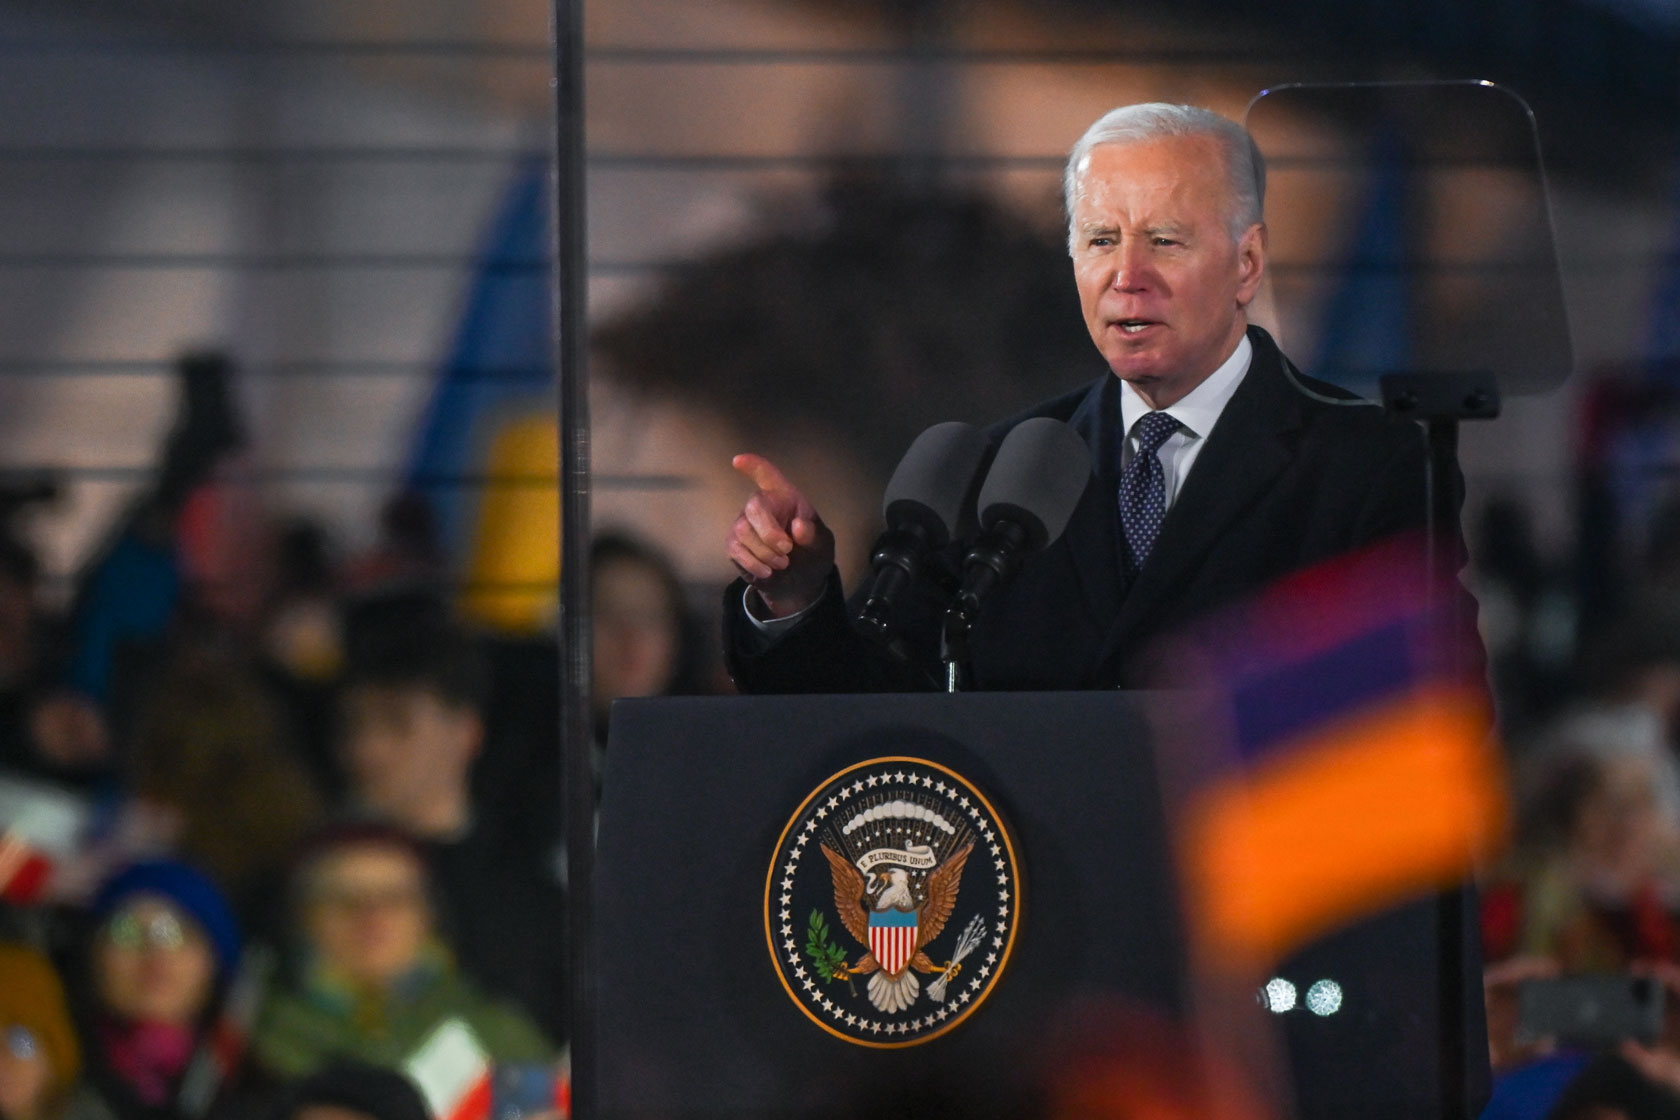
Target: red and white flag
453 1073
41 827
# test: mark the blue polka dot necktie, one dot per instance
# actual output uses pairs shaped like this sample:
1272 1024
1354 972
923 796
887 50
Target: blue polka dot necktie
1143 489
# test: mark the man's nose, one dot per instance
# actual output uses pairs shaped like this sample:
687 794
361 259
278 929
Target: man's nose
1131 267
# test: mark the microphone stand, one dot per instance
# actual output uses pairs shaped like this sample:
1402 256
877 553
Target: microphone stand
953 648
1441 402
992 562
898 559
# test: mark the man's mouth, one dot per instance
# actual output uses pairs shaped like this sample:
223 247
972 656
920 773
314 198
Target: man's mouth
1134 326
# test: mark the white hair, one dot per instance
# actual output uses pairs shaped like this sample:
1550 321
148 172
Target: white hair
1603 735
1154 120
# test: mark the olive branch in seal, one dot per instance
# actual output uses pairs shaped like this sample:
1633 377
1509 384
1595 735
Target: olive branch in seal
825 956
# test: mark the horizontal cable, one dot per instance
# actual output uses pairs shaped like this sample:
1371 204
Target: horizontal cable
618 269
828 161
1287 268
355 476
919 55
656 56
348 368
264 262
514 266
68 581
693 589
605 160
616 160
343 48
299 153
1434 268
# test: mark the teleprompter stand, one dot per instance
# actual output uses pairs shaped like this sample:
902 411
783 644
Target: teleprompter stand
1440 402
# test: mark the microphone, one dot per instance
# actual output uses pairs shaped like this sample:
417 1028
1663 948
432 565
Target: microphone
1036 480
929 502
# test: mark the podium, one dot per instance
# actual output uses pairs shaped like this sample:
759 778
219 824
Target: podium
693 1017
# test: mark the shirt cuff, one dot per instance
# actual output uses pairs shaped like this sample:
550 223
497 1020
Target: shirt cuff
773 627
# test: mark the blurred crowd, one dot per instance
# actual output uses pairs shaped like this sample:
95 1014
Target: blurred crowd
1584 651
283 838
280 831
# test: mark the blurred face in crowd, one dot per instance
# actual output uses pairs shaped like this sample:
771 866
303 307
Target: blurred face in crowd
154 963
25 1075
331 1112
1162 284
365 912
636 631
1619 830
409 753
17 613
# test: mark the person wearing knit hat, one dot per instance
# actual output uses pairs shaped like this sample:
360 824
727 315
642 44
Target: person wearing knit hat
190 891
163 952
40 1058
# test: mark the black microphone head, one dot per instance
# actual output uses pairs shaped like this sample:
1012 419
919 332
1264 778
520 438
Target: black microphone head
1036 479
933 485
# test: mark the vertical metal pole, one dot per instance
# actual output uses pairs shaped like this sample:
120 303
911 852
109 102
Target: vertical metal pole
1459 993
571 353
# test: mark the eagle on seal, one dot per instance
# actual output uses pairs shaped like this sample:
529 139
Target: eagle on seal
894 914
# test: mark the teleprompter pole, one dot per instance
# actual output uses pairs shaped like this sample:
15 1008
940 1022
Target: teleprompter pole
1441 402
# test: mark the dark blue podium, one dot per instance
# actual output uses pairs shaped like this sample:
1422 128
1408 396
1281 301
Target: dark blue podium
693 1020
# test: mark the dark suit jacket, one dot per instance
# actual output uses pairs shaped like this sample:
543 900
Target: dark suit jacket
1283 481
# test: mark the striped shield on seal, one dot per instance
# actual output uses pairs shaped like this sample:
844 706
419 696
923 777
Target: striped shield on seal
892 938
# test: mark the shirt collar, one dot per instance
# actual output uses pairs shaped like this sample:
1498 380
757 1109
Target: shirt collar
1200 408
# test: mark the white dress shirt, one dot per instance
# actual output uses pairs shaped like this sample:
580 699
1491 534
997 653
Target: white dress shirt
1196 415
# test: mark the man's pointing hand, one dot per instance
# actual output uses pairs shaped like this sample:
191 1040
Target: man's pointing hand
779 543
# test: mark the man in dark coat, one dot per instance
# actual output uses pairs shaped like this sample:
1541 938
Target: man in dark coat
1217 467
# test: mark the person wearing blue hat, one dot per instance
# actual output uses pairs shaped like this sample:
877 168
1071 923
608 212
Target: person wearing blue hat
188 890
163 951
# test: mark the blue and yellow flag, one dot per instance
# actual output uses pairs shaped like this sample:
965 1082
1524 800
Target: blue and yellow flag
487 450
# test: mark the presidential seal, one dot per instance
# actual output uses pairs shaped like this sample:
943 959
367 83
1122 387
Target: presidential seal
892 903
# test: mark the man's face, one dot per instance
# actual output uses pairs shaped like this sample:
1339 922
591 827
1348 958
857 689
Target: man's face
1161 283
406 750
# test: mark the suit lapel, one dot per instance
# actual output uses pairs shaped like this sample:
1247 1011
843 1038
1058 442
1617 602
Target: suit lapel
1244 453
1092 533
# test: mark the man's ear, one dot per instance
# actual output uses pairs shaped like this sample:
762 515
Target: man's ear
1251 263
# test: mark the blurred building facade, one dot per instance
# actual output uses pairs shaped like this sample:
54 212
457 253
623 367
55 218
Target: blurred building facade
309 187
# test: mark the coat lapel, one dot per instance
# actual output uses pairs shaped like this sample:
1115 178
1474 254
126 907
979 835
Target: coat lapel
1093 532
1244 453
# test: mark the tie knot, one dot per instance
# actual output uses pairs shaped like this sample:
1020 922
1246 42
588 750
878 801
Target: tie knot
1152 430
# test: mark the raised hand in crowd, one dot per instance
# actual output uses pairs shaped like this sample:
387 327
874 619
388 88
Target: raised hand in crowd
1502 986
1659 1062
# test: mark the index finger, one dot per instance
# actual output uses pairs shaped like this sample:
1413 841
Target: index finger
764 474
